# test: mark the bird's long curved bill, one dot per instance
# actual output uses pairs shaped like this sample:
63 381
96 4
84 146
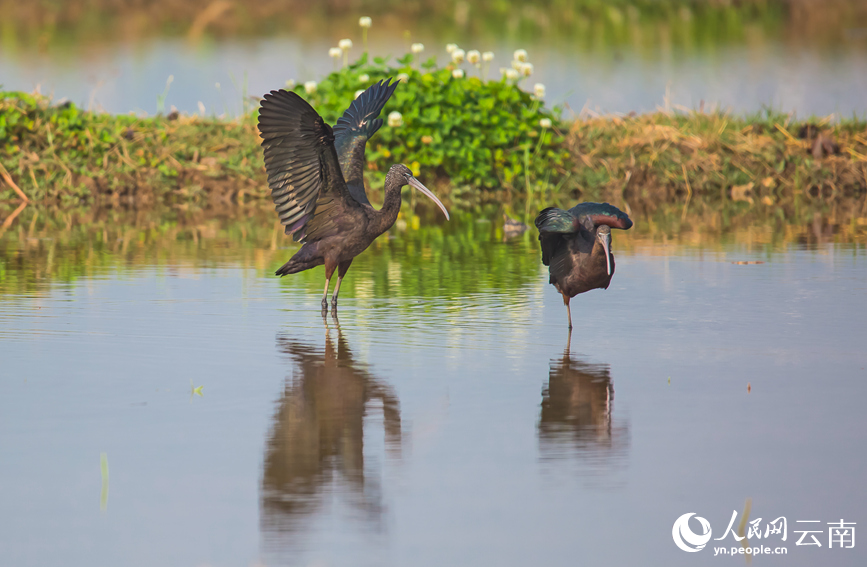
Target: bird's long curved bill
418 185
607 254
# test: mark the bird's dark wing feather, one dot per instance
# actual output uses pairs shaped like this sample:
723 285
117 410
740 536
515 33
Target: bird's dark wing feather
561 261
602 213
554 220
554 225
306 183
357 125
552 244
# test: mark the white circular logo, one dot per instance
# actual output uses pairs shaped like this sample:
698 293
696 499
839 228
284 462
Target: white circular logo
685 538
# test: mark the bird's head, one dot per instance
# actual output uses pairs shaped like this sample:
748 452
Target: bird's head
603 234
400 175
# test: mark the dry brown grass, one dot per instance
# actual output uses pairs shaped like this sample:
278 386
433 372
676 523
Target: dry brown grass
665 156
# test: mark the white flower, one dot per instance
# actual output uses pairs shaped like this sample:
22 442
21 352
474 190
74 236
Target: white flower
358 93
395 119
512 75
516 64
417 47
488 56
526 69
364 78
458 56
520 55
310 87
473 56
345 44
335 52
458 73
539 90
450 47
364 22
545 123
402 77
290 84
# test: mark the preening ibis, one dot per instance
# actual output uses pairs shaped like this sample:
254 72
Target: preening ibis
316 178
576 247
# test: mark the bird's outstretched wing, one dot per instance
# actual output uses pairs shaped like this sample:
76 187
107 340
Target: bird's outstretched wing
602 213
307 186
357 125
554 227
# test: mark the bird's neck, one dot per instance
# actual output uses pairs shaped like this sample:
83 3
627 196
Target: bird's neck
387 214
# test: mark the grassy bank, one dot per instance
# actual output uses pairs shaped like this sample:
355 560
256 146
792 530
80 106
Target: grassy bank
61 154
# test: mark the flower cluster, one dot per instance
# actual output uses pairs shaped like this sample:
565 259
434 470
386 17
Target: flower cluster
520 66
512 76
395 119
343 47
473 57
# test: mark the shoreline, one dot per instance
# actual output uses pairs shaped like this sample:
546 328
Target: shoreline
67 156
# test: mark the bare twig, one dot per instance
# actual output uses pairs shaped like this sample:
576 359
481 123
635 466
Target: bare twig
8 179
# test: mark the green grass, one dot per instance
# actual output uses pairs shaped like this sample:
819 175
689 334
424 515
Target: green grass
64 155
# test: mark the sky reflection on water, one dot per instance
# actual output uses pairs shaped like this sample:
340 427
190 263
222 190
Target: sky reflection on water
742 78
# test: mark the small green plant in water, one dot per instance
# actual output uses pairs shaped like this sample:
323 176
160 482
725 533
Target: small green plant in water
103 469
195 390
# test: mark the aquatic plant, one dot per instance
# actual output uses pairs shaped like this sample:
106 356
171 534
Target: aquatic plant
473 132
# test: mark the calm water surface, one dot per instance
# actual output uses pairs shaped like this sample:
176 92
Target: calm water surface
444 420
743 78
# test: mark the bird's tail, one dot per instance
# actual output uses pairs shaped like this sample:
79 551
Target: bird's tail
304 259
553 219
290 267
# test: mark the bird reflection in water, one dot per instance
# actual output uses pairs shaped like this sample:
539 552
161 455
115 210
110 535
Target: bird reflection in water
576 418
315 449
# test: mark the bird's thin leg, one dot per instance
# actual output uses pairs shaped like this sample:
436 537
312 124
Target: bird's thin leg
334 295
566 299
341 271
325 295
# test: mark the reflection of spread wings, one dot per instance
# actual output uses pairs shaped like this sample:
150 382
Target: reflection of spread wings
318 432
357 125
306 183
